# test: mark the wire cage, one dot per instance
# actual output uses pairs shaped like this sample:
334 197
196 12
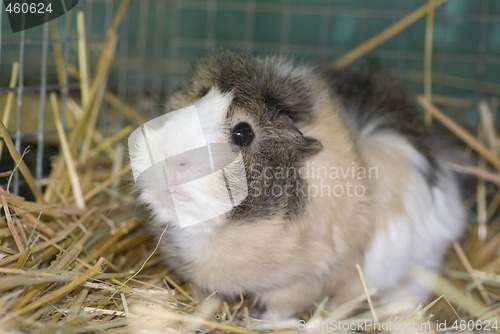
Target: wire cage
159 40
142 52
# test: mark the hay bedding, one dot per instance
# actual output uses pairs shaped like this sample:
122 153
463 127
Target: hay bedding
77 259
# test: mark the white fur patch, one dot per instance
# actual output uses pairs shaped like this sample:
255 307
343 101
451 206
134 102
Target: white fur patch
182 160
432 218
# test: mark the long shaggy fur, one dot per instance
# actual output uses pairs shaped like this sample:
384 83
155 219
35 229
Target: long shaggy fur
291 249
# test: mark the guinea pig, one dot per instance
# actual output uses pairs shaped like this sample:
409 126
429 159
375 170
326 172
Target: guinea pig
275 180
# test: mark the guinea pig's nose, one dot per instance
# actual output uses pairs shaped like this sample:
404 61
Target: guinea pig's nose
183 164
180 164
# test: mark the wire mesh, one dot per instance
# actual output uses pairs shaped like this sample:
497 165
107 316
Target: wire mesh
160 39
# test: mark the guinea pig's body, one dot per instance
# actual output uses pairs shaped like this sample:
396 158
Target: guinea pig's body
339 171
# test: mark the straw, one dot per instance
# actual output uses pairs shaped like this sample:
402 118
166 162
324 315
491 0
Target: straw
443 287
20 163
120 13
365 289
128 111
110 141
452 101
82 58
481 173
61 292
461 255
387 34
458 82
488 124
429 30
460 132
73 175
165 316
11 226
7 110
103 185
98 85
58 53
88 122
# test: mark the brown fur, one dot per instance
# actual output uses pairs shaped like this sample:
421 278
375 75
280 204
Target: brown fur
292 250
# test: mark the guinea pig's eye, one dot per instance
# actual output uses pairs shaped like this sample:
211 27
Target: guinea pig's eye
242 134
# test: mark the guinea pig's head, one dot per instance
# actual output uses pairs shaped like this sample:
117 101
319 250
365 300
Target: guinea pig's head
231 150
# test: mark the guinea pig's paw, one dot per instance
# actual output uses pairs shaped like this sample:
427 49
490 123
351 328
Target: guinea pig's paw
275 316
405 299
273 321
282 304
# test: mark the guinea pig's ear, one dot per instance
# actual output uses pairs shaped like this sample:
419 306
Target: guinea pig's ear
290 103
308 146
311 147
